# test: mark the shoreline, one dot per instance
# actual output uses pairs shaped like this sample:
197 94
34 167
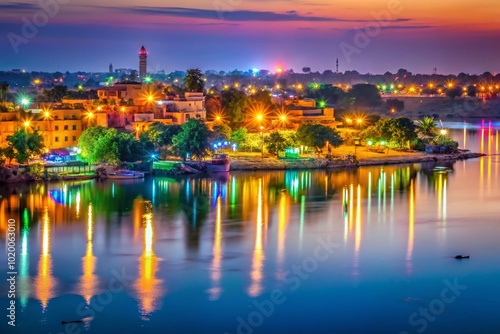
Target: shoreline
322 163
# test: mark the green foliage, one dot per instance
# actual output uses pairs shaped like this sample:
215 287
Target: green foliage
98 144
275 143
37 170
23 145
192 140
55 94
262 98
129 149
193 81
427 127
159 135
365 95
4 90
239 135
316 136
221 132
234 103
398 132
329 93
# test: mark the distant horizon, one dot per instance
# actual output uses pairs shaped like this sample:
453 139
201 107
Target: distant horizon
272 71
366 36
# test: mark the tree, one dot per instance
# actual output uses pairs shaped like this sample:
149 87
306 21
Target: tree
221 132
262 98
4 90
316 136
398 131
427 127
471 91
56 94
23 145
454 92
98 143
234 103
239 135
193 81
129 149
159 135
365 95
193 140
325 92
275 143
395 105
306 69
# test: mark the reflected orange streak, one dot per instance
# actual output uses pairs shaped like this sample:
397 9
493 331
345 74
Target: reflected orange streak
282 228
255 287
147 285
216 290
411 227
44 282
89 281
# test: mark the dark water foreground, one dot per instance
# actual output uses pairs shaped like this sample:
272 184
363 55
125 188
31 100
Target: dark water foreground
369 250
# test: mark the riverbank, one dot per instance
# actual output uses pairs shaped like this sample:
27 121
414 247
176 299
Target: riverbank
242 164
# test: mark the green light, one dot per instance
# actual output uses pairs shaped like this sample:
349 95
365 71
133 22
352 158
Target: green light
148 79
322 104
382 142
370 143
80 87
24 101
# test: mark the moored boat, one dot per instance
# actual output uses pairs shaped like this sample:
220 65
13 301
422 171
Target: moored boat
218 163
125 175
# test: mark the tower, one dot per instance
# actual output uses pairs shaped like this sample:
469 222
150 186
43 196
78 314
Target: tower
337 66
111 68
143 56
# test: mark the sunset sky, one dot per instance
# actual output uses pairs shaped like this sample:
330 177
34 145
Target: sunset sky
453 36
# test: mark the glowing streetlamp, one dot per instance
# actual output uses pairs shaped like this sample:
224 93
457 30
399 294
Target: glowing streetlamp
26 124
443 132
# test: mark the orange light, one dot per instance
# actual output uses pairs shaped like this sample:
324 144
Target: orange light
259 117
26 123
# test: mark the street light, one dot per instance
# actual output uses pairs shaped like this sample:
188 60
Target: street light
443 132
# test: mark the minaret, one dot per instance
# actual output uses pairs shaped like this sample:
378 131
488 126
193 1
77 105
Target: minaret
143 56
111 68
337 66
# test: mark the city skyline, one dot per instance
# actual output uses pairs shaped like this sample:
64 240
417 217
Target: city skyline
227 35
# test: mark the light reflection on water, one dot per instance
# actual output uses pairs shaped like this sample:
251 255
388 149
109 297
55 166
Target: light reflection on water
198 250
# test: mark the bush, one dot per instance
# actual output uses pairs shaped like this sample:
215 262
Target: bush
418 145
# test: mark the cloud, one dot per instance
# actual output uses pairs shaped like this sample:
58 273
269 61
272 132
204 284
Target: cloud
17 6
238 15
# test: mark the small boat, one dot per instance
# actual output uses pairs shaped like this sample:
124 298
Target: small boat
125 175
78 177
219 163
442 169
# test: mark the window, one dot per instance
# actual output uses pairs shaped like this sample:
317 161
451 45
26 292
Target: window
66 127
74 138
66 117
57 139
57 128
74 127
66 138
73 116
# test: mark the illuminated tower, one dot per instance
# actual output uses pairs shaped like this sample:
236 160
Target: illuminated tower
143 56
110 68
337 71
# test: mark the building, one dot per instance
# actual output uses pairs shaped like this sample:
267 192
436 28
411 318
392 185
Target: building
306 111
121 91
143 56
111 68
60 127
180 109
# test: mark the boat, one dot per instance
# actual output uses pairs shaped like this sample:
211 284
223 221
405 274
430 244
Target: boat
78 177
125 175
218 164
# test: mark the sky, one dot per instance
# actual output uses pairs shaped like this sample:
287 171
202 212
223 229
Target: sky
369 36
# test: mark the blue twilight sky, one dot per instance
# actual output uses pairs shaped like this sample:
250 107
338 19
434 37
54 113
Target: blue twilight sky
451 35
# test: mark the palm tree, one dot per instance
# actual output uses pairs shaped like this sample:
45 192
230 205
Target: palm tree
427 128
194 81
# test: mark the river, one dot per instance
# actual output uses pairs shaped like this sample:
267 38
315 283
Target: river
367 250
